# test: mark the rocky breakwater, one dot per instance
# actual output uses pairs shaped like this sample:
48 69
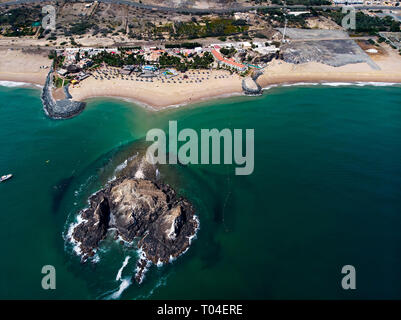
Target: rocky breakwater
250 86
59 109
151 213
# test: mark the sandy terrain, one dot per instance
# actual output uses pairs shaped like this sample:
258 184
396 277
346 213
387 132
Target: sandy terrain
281 72
18 66
158 94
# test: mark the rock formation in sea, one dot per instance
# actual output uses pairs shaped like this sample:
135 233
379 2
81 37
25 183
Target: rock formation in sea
150 213
250 86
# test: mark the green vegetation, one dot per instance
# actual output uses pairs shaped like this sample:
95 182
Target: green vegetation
368 24
381 39
81 27
228 52
118 60
183 64
58 82
220 27
278 16
57 60
20 22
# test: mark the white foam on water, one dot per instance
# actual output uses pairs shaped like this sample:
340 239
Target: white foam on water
13 84
142 257
76 244
190 238
300 84
333 84
125 283
123 165
377 84
96 258
83 186
337 84
125 262
159 264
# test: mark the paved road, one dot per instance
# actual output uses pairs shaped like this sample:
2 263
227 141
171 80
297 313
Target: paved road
195 10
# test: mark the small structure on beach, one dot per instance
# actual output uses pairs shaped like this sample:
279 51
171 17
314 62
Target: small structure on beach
62 72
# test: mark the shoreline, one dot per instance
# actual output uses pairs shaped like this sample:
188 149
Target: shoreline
237 94
198 86
265 87
19 84
219 84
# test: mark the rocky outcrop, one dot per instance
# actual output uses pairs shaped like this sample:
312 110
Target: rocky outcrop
250 86
161 222
59 109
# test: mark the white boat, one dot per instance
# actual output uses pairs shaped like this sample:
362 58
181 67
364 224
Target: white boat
6 177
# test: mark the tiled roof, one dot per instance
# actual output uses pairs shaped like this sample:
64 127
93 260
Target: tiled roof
219 57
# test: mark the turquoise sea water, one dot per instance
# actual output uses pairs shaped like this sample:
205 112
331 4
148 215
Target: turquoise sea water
326 192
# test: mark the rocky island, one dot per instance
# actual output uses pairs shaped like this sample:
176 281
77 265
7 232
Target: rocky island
151 213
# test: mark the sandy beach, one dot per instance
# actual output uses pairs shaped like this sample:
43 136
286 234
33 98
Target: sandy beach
200 85
160 94
279 72
20 66
196 85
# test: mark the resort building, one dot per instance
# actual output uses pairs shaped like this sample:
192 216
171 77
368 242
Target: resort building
228 62
62 72
82 76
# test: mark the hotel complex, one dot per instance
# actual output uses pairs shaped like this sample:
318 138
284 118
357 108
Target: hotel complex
227 62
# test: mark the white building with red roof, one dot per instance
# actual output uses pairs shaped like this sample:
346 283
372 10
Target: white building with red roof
228 62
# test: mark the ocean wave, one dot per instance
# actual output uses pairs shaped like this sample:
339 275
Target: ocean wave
12 84
142 257
125 262
190 238
125 283
75 244
333 84
122 166
377 84
83 186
